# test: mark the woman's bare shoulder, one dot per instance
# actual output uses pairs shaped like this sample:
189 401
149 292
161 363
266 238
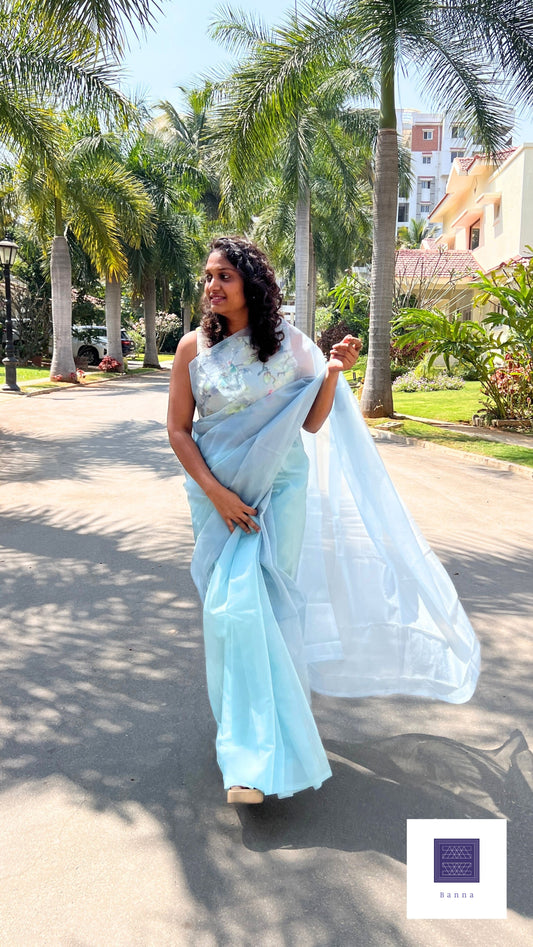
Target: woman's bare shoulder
188 346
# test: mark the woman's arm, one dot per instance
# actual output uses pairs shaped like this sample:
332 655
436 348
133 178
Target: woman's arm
181 407
343 356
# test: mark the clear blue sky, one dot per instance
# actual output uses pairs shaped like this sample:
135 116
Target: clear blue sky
179 51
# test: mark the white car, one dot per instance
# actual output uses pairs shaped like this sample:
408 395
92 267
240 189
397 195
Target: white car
90 342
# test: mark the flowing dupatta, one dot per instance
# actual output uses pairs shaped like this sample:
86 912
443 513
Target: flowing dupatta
338 593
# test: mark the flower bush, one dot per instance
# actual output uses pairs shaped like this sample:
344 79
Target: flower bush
411 381
109 364
514 381
71 377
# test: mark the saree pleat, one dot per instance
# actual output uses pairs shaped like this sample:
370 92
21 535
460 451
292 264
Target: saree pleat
338 593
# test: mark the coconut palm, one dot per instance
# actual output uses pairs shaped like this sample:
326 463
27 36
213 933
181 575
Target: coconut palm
460 52
282 110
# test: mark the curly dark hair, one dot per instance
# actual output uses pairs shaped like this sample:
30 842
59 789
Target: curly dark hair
262 294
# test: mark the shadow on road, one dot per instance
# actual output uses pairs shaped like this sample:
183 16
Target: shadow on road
377 785
103 689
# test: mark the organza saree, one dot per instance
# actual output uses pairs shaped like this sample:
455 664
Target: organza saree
338 593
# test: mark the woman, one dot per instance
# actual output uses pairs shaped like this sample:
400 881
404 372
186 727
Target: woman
311 573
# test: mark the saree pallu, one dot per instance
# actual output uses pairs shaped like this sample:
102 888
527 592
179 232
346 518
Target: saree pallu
338 593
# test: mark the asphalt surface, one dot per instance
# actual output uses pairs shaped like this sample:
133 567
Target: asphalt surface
115 829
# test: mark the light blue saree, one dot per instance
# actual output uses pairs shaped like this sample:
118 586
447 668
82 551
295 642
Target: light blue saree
338 593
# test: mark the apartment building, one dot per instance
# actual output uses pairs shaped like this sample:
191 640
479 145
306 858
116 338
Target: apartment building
434 143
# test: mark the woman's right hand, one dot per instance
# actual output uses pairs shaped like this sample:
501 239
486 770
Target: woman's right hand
233 510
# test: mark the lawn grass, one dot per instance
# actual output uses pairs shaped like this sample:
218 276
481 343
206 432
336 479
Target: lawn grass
34 378
440 405
511 453
27 374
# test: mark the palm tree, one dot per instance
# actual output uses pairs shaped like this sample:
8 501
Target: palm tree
177 226
460 52
411 237
90 197
105 18
42 68
188 136
282 111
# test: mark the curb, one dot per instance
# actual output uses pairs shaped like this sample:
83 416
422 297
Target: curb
469 458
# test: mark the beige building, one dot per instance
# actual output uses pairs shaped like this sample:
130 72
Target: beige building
486 217
487 208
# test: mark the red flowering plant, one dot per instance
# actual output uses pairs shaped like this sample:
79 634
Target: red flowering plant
514 381
71 377
109 364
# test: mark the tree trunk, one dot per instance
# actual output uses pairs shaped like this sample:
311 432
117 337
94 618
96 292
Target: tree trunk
112 319
311 297
376 399
151 359
164 289
301 259
186 317
63 367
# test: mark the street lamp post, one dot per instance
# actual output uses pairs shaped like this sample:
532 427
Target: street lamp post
8 255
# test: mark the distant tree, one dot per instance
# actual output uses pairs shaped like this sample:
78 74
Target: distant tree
412 236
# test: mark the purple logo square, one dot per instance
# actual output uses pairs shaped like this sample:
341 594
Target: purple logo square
456 860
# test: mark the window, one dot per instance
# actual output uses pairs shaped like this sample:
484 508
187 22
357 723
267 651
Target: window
466 314
425 184
456 154
497 211
403 213
427 134
458 131
474 235
426 159
424 208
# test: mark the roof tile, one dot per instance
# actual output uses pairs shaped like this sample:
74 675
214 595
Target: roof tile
442 264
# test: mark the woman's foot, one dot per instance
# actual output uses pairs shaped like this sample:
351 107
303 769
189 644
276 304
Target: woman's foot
245 795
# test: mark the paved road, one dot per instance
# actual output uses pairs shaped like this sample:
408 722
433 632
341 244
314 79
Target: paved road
115 832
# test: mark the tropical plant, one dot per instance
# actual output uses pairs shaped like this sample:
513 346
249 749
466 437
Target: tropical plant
512 291
461 52
351 298
469 343
282 121
411 237
514 381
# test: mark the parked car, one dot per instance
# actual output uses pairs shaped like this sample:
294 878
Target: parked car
90 342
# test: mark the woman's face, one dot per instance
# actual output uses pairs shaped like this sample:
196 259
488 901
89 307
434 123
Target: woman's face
224 287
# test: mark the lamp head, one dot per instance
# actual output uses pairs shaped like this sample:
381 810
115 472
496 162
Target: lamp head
8 252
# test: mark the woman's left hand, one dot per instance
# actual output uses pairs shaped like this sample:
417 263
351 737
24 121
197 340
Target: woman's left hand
344 355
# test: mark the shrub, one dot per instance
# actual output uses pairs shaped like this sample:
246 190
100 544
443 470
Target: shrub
109 364
331 336
411 381
405 355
